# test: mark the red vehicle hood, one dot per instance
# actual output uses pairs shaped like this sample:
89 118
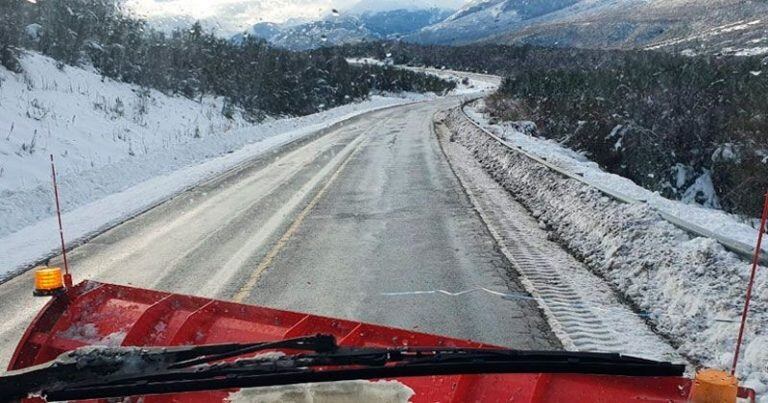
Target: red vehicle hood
93 313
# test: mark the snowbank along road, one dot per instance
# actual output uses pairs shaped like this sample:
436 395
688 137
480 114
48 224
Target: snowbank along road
366 222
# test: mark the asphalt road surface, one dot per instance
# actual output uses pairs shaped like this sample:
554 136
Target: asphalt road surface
365 222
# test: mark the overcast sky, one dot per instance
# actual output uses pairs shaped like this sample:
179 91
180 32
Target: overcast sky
237 15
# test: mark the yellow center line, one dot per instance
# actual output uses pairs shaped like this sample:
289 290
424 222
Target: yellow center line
249 285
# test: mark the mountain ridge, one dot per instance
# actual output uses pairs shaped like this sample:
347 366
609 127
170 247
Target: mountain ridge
689 26
347 28
684 26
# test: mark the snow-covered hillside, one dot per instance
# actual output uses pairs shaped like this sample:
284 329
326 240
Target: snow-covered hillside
466 83
92 125
112 138
699 26
331 31
746 37
483 19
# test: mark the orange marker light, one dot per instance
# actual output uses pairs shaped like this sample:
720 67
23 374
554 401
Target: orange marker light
713 386
48 281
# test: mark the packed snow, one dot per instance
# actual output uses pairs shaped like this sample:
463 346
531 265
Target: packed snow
580 307
690 288
119 149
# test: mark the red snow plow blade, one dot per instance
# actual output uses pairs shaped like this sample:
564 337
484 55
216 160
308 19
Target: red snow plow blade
103 314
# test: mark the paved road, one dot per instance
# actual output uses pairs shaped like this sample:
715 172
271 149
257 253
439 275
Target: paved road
344 224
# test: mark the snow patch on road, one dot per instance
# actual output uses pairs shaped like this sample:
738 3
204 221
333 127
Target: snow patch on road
691 289
119 149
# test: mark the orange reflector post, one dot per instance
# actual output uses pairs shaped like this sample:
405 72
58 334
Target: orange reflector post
713 386
48 281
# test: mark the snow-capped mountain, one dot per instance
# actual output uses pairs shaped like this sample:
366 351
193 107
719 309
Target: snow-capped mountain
330 31
689 26
265 30
401 22
348 27
693 26
482 19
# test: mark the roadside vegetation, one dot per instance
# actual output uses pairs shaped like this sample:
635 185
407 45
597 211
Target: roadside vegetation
250 74
691 128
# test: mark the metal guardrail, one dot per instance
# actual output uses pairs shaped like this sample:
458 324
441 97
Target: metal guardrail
739 248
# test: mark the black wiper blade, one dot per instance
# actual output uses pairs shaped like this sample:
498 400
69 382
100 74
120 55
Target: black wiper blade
104 363
345 363
319 343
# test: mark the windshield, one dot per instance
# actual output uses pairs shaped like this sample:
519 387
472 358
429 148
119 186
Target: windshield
581 176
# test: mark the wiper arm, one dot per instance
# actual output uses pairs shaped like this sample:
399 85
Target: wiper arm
201 355
89 363
334 363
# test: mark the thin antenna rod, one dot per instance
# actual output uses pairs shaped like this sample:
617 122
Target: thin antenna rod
67 276
755 261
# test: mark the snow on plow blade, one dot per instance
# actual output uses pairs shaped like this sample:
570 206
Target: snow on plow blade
103 314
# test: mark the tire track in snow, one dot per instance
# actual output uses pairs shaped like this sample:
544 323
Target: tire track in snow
581 308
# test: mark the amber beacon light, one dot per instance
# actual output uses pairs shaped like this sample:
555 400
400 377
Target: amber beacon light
48 281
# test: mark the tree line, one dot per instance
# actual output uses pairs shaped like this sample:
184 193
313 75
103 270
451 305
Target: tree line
192 62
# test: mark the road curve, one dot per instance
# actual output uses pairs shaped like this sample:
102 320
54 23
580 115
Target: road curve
356 223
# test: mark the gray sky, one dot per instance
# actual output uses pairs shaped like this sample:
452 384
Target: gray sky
237 15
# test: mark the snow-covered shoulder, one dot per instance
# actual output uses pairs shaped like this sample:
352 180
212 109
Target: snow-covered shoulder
689 287
706 216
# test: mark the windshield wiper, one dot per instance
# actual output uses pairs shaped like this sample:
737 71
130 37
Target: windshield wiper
106 363
117 372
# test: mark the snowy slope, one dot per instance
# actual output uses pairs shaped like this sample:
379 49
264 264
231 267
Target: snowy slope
91 126
466 83
703 26
696 26
477 20
739 37
484 19
331 31
118 149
